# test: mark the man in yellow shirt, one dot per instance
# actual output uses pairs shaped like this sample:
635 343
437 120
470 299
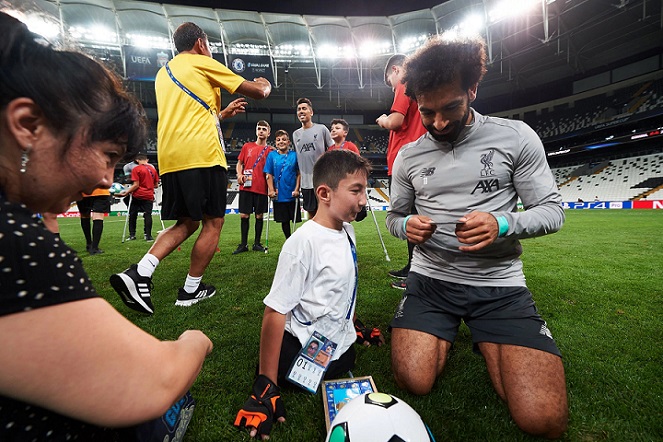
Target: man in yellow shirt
192 164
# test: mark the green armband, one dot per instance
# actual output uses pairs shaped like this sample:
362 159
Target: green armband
405 223
503 225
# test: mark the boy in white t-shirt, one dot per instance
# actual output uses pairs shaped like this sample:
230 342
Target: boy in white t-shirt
314 288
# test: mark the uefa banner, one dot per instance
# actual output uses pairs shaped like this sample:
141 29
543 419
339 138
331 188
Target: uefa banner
249 66
142 64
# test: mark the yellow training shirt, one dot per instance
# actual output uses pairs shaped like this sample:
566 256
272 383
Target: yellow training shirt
187 137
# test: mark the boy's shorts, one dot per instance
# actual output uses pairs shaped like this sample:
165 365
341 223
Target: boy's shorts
310 203
194 193
501 315
96 204
285 211
251 202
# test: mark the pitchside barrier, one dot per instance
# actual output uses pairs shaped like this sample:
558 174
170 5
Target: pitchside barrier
380 202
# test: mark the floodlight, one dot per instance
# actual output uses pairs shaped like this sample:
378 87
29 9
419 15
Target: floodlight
510 8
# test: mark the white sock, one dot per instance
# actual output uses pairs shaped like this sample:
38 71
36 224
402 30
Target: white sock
147 265
192 283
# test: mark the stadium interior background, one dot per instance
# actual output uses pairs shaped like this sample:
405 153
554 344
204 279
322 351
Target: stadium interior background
587 75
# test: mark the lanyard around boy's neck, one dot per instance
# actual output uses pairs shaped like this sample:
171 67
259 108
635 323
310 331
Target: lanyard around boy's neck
260 157
353 249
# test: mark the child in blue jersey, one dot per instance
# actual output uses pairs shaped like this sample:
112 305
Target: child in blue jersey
283 180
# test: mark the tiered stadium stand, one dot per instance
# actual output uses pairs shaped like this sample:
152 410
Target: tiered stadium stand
616 180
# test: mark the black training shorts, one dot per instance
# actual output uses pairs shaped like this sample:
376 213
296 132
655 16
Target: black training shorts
194 193
310 200
501 315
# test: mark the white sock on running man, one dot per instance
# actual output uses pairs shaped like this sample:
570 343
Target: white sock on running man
192 283
147 265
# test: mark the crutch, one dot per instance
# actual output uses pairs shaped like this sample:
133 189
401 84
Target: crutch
368 200
126 219
269 208
294 216
163 226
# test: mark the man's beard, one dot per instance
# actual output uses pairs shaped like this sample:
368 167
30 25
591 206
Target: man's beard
456 128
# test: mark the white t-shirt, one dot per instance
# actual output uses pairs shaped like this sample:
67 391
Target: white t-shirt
314 285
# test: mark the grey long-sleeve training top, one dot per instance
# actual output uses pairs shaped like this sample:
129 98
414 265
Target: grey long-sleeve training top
493 162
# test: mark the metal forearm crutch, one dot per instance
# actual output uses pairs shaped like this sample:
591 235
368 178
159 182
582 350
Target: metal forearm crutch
294 215
368 200
126 219
163 226
269 208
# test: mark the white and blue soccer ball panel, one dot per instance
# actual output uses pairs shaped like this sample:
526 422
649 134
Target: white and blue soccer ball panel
378 417
116 188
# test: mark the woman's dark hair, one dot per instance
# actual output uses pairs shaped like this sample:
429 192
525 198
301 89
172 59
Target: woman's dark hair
442 61
72 90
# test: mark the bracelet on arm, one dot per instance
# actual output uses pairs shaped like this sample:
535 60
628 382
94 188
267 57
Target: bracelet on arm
503 225
405 220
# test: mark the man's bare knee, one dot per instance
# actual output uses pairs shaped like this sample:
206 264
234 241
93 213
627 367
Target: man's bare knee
550 423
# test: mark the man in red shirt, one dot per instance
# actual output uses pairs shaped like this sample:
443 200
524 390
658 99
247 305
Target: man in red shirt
144 178
253 186
404 124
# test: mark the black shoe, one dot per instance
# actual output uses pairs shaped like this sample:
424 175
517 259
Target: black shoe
400 285
131 238
185 299
400 274
88 247
258 248
241 248
149 238
135 290
96 251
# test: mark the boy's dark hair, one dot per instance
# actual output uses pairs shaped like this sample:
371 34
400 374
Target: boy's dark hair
140 157
442 61
263 123
394 60
342 122
186 35
335 165
280 133
305 100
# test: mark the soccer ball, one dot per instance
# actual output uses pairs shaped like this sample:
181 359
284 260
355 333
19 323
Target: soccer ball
116 188
378 417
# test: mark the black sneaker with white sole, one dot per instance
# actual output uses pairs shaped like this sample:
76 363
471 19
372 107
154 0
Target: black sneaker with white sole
185 299
134 289
400 274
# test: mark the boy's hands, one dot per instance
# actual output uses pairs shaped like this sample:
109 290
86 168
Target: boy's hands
368 336
261 409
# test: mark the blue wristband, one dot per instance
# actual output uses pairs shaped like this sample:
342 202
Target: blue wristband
503 225
405 223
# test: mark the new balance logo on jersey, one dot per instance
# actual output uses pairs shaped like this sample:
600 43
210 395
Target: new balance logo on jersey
427 171
486 186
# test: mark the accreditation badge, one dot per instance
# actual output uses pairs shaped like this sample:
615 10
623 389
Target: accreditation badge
312 362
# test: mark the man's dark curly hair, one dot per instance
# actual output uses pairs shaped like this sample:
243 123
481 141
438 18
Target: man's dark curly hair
442 60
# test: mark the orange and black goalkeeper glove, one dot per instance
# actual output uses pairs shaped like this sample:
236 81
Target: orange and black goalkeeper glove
263 408
368 335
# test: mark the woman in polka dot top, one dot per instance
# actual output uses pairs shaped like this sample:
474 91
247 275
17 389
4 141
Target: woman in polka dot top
71 366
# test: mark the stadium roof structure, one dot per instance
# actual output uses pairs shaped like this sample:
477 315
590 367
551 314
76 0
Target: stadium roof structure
338 61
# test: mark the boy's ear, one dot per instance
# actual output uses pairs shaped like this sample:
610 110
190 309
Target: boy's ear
323 192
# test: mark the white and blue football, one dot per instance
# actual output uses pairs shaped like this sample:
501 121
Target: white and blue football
378 417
